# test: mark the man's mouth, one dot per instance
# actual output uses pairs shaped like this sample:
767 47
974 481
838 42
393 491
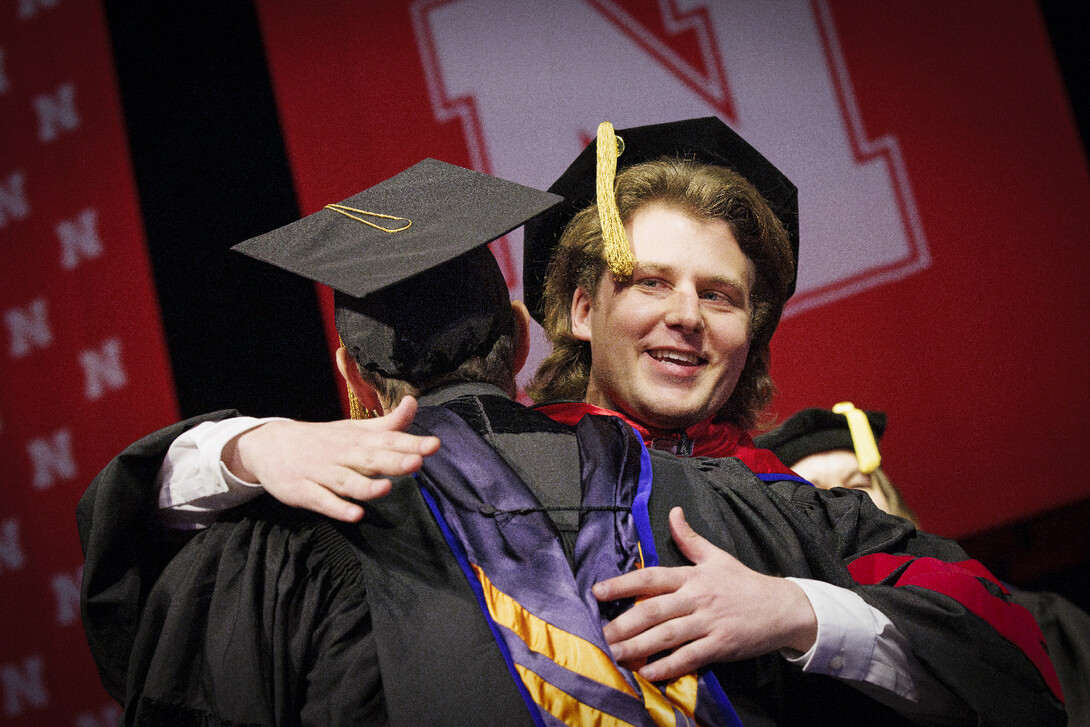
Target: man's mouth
680 358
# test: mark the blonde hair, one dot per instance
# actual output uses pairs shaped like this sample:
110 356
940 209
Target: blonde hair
897 504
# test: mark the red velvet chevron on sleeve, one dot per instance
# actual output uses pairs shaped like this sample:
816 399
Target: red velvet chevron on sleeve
971 584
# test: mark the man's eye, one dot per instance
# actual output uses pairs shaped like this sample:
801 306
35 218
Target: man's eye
651 283
717 297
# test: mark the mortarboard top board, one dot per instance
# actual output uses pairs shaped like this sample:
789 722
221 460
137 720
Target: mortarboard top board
706 140
416 289
811 431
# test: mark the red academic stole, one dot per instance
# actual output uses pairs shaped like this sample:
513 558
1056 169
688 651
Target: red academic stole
704 439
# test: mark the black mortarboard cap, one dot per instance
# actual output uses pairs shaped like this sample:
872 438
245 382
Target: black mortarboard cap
707 140
421 295
811 431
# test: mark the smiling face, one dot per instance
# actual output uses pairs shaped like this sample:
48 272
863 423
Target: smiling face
707 192
668 345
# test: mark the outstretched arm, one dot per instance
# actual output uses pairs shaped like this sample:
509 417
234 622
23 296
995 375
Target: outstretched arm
316 466
321 466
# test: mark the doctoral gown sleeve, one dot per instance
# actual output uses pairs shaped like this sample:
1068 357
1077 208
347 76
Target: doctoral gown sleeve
960 621
1067 630
124 548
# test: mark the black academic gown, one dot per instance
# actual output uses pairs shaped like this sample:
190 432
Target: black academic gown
274 616
1067 630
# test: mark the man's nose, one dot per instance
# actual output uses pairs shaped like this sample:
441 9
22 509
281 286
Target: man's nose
683 310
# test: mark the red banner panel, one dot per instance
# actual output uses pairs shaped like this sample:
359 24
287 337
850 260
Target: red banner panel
84 370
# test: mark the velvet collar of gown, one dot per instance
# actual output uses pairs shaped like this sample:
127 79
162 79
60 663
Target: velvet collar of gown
704 439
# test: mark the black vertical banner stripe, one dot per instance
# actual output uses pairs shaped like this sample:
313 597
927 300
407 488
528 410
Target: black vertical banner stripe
1068 24
211 170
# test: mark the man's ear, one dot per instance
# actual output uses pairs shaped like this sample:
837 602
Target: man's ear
522 335
366 393
580 314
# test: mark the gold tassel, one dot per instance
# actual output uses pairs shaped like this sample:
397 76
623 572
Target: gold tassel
356 409
866 448
617 252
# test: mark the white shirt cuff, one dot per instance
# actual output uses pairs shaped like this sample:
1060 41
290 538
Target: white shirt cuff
859 644
194 483
848 629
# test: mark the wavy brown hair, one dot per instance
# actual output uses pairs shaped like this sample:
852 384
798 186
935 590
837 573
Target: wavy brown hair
706 192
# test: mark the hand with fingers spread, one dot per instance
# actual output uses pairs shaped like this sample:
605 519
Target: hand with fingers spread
317 466
717 610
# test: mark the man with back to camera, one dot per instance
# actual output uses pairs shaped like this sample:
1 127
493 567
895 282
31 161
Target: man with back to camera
726 296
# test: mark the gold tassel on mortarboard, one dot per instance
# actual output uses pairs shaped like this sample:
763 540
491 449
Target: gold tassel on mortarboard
866 448
356 409
617 252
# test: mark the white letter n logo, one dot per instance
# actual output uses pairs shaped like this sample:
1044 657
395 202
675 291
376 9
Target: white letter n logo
772 70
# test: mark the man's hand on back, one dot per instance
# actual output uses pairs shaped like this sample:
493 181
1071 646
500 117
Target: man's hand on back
320 466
